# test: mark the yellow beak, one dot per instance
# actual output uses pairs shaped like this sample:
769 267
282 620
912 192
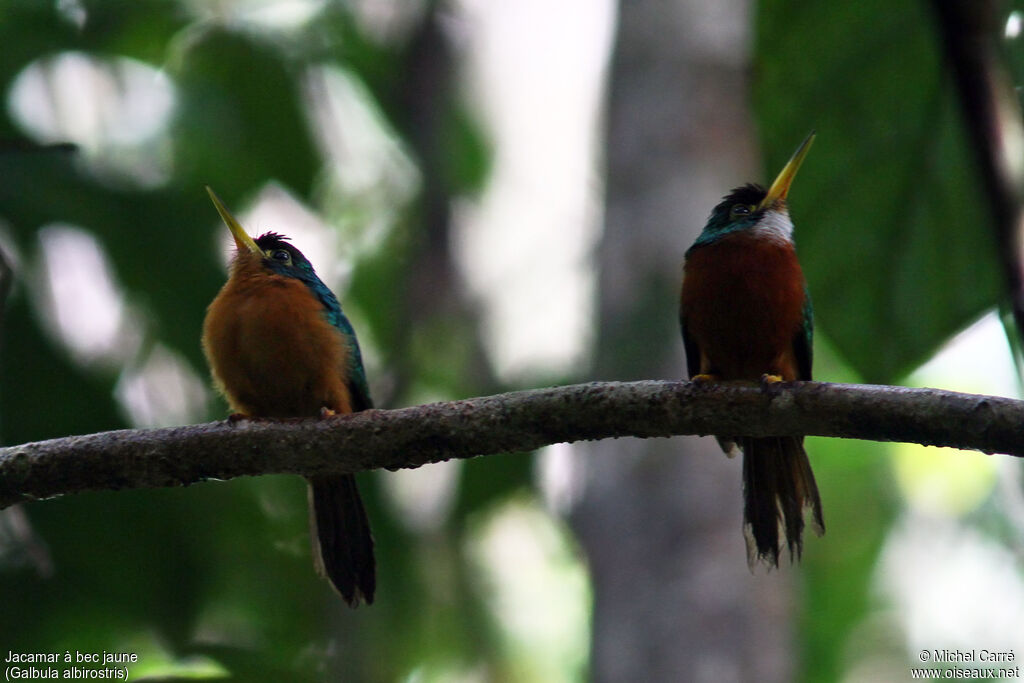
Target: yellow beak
242 239
780 188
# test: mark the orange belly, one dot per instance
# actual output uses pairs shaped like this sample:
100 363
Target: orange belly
742 306
273 352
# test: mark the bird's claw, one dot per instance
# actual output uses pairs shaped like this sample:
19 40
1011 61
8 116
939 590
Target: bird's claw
771 379
704 378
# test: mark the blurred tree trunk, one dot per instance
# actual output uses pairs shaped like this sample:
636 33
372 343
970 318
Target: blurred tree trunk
660 520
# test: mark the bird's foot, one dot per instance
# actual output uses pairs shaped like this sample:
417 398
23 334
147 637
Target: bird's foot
771 379
704 378
326 412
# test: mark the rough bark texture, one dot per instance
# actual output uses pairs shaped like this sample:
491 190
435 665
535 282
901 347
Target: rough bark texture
518 421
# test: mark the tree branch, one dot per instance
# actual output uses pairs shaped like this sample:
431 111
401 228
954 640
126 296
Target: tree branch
519 421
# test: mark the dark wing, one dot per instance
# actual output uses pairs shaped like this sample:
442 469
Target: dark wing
357 384
803 344
356 380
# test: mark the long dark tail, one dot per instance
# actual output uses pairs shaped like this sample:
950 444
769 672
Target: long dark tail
340 534
778 485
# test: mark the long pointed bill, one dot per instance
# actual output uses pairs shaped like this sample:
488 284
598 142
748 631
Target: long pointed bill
780 188
242 239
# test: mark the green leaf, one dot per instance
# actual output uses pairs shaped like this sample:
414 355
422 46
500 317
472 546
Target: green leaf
240 119
891 225
42 394
468 155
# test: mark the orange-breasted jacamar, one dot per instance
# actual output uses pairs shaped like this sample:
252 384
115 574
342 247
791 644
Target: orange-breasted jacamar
279 346
745 315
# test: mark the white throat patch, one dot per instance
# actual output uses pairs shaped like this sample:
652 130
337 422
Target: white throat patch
775 225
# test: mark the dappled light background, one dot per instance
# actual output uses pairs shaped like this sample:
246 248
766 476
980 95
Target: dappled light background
143 124
444 167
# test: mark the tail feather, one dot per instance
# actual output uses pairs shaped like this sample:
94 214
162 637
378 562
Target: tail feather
778 485
340 535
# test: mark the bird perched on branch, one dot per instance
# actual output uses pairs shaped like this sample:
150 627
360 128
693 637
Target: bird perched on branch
279 346
745 315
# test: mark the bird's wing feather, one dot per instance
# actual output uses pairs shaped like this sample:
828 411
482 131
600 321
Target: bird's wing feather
803 344
356 380
357 384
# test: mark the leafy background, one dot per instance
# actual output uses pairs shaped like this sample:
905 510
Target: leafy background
482 582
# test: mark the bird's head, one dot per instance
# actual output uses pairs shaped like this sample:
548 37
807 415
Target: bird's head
269 253
753 207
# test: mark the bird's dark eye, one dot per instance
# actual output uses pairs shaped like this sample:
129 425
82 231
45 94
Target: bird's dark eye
281 255
739 210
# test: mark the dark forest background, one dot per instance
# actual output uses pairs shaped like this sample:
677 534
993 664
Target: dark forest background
501 197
